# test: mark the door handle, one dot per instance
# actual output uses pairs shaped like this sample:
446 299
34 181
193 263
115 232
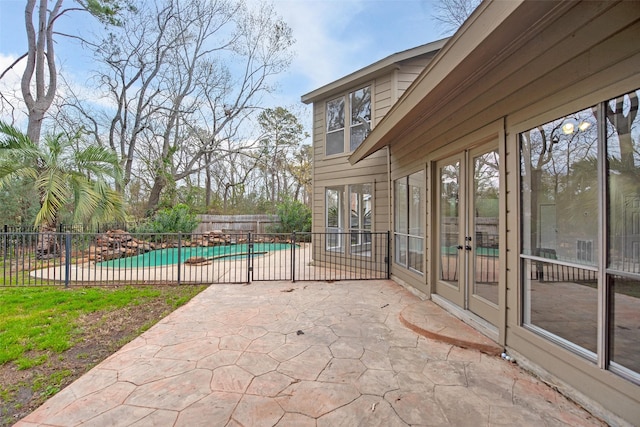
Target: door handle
468 247
460 247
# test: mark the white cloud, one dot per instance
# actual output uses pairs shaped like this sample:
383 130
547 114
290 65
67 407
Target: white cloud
322 51
11 105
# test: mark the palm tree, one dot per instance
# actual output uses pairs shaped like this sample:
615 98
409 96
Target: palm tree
63 174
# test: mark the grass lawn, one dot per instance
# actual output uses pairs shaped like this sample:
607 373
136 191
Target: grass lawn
50 336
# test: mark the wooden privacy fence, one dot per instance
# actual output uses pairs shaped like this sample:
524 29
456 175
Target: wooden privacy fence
237 223
117 257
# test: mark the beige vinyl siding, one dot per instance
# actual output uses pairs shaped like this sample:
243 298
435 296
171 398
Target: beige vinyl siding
409 70
383 94
389 89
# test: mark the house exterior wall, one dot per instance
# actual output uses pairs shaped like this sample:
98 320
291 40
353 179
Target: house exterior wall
588 55
335 171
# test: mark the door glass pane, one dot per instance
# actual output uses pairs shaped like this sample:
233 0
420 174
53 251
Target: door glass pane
559 200
486 191
334 219
360 205
449 226
623 203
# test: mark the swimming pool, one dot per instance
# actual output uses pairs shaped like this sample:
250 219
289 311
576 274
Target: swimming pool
169 256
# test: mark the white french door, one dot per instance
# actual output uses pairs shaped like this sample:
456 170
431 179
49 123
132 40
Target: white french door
467 212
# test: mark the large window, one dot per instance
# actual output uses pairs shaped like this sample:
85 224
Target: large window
408 231
358 121
358 208
580 201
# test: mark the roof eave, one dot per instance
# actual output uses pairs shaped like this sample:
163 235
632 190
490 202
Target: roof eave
371 71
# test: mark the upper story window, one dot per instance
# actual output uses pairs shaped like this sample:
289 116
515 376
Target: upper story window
360 105
358 121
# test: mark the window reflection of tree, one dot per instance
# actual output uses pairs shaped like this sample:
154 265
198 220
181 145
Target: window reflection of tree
623 153
335 114
558 167
361 105
360 101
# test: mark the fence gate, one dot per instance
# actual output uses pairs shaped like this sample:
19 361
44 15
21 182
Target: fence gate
271 257
296 257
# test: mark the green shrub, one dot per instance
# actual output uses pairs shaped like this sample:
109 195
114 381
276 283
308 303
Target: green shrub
178 219
294 216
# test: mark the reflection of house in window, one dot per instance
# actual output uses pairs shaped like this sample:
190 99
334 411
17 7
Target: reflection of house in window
584 250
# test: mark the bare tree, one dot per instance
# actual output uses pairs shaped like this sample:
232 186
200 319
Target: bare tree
40 78
184 77
451 14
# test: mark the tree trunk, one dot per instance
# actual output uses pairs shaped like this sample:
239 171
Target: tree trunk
47 246
34 126
207 191
40 55
154 196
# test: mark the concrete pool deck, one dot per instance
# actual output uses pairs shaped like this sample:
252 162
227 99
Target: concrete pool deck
306 354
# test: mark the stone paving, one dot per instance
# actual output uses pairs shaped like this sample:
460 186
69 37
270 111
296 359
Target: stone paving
303 354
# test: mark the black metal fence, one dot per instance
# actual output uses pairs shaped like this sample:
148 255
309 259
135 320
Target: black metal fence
74 228
119 257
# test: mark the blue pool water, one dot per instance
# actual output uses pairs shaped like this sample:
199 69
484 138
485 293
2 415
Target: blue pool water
169 256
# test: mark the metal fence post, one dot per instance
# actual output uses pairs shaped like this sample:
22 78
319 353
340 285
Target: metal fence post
293 257
5 242
249 256
388 258
179 256
67 259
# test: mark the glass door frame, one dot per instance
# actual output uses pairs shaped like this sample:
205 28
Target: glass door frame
453 289
462 294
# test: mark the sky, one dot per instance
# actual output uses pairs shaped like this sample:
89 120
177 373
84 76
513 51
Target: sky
333 38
